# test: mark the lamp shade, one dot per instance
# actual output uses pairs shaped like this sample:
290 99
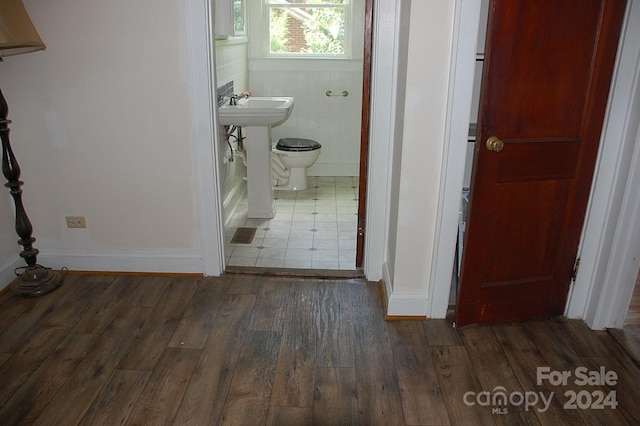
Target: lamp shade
17 33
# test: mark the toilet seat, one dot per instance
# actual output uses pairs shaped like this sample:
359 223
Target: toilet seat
297 145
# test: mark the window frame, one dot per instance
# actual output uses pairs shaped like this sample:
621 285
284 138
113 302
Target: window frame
347 6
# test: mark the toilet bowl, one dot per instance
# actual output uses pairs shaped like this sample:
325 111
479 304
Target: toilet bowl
290 158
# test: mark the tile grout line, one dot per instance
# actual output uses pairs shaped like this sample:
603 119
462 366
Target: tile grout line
297 200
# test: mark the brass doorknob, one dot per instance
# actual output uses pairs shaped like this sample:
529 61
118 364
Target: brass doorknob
494 144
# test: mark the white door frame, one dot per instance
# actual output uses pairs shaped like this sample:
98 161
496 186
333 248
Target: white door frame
461 77
202 89
610 242
609 247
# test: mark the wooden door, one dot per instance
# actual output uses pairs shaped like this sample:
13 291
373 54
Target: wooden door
547 72
364 132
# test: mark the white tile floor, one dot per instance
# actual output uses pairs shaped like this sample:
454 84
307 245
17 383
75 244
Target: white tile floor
315 228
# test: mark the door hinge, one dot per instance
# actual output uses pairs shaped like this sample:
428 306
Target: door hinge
574 273
361 227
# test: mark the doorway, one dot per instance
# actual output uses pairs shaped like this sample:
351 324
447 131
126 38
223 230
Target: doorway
316 228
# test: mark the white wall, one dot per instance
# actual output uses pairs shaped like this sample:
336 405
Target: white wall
430 39
9 247
332 121
8 237
102 128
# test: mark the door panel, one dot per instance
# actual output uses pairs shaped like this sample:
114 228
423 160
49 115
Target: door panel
542 45
532 161
531 254
547 72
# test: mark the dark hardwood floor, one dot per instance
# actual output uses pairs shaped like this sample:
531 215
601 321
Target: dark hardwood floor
256 350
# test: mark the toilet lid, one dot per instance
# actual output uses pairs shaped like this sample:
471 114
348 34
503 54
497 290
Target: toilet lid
297 144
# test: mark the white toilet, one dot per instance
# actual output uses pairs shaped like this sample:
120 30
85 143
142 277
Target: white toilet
290 158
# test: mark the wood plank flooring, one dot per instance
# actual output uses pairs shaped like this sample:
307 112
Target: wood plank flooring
258 350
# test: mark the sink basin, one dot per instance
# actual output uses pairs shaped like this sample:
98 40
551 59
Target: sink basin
258 115
256 111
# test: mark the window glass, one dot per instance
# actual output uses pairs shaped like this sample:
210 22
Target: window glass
238 17
305 27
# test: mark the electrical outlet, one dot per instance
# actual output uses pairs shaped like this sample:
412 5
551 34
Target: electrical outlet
76 222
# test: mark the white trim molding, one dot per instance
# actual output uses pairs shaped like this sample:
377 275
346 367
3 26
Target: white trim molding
123 261
205 131
461 78
401 305
381 134
412 305
609 251
622 269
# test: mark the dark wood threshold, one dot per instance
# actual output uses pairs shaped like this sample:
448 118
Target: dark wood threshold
295 272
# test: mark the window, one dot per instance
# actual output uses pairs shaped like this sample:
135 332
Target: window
308 27
238 17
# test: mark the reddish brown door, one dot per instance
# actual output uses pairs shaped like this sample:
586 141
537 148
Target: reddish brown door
364 132
547 72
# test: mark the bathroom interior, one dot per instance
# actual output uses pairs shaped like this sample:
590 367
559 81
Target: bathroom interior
313 228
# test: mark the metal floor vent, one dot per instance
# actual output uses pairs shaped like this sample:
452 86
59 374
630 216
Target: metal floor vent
243 236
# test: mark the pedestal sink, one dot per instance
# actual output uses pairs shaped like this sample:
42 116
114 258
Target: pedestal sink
257 115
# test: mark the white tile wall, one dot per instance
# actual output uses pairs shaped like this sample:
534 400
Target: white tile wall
332 121
231 63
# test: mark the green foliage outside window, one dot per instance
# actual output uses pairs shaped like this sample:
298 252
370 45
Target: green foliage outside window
312 28
278 31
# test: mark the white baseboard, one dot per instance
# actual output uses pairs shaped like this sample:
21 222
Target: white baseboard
232 199
123 261
410 305
7 274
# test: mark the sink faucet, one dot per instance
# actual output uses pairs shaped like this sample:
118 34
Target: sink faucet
233 99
